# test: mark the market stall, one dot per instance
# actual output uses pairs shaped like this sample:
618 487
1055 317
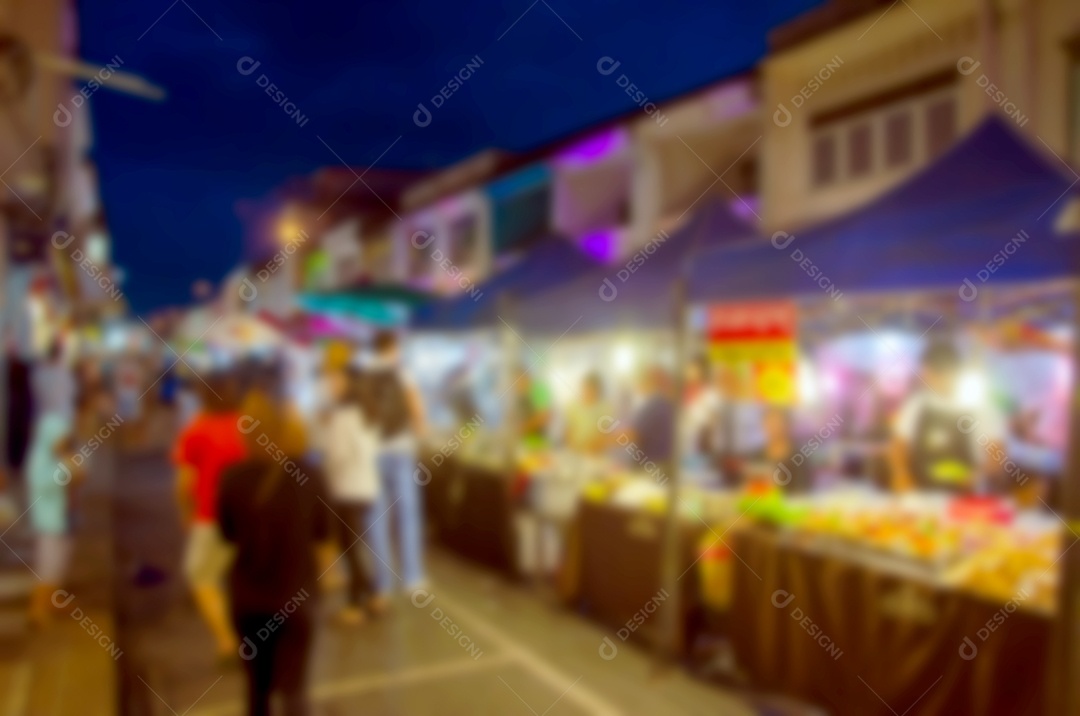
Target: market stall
458 348
612 334
907 337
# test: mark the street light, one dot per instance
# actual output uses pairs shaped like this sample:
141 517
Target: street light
289 227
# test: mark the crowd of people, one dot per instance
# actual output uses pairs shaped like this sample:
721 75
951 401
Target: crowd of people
726 436
274 502
720 426
281 505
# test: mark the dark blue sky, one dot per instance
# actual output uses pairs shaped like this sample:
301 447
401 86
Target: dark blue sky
172 173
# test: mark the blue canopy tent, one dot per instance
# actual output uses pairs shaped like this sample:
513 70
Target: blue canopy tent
995 212
636 293
940 229
549 262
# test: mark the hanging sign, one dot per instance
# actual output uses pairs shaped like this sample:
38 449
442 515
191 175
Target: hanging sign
757 340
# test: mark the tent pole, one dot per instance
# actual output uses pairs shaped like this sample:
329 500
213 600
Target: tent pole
667 645
510 359
1065 662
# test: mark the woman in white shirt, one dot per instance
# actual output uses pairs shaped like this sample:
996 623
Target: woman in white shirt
350 446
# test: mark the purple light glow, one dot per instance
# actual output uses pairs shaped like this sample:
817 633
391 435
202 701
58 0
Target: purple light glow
593 149
746 208
601 245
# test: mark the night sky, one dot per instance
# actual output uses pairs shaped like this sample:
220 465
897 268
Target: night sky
173 173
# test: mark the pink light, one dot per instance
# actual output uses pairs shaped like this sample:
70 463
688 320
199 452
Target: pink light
746 208
593 149
456 205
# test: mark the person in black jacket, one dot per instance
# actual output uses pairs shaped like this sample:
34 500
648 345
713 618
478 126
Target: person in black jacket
274 508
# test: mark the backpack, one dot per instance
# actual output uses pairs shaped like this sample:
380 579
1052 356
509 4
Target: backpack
389 402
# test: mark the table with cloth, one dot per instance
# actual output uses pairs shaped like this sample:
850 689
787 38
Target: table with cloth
860 637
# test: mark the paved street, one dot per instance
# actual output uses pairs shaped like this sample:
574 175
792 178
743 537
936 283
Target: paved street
69 668
474 644
510 654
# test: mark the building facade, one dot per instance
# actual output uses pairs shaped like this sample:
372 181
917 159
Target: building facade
859 95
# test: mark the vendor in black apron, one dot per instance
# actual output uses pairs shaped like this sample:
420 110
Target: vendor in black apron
940 443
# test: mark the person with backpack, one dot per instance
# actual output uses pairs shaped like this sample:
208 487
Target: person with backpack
350 447
400 423
273 508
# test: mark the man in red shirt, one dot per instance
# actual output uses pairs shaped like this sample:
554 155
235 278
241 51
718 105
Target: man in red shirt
210 443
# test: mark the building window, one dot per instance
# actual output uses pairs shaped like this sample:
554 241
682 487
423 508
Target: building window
860 150
421 244
940 126
464 240
824 159
880 136
898 139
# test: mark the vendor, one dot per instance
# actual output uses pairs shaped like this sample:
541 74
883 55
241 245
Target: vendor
787 467
533 407
938 441
653 424
701 402
584 418
737 426
458 395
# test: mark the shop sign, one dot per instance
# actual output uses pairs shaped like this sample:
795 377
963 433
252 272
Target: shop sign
758 340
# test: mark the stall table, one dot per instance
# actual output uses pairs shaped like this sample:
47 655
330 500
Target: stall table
899 638
470 509
614 564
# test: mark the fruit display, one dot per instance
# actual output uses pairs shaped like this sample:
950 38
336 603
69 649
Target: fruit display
902 532
976 544
1014 565
535 461
765 502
